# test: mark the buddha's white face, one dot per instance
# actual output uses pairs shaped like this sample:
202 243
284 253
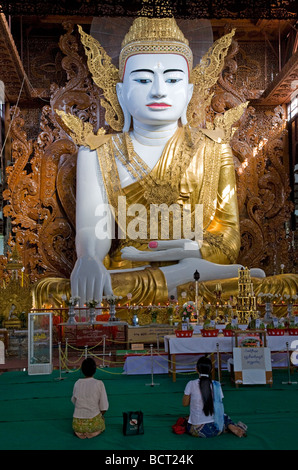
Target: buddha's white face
155 88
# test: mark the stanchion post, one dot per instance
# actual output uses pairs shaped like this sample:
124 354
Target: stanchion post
86 351
66 348
103 350
60 366
218 363
59 351
289 367
152 369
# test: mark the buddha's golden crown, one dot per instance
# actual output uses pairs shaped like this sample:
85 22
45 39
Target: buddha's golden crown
154 36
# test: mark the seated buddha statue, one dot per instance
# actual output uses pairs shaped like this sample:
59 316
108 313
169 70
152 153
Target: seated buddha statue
157 159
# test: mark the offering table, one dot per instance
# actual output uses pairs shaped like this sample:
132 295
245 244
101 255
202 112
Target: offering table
212 345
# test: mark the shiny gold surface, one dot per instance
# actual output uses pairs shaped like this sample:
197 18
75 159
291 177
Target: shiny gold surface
209 179
15 294
105 75
154 36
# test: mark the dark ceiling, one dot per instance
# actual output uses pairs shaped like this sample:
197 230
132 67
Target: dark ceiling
253 9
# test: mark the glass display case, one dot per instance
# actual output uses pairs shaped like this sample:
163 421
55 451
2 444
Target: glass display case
40 343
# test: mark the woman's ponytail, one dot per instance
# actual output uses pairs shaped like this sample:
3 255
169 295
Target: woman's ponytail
204 367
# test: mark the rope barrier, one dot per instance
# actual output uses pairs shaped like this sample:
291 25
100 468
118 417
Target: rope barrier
66 363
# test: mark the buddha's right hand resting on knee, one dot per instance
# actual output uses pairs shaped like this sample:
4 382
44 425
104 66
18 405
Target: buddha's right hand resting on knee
90 280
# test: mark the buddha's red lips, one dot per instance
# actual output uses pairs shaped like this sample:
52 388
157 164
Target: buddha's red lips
158 105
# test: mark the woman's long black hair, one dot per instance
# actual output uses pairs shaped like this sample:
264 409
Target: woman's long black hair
204 366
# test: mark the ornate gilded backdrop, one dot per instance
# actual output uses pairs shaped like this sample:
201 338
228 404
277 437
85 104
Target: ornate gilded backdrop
40 194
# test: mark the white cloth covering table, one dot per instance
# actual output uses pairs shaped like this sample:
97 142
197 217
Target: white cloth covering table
198 344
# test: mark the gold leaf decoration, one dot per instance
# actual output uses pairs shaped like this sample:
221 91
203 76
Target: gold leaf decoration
82 132
106 76
204 76
228 119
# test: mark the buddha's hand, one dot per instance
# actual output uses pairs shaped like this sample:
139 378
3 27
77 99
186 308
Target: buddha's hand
90 280
172 250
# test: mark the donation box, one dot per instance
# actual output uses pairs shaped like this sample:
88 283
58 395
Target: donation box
40 343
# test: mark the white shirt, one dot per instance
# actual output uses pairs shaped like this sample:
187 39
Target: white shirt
89 397
197 415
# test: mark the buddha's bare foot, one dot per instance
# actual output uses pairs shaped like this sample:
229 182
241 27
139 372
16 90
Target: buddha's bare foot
256 272
186 244
133 254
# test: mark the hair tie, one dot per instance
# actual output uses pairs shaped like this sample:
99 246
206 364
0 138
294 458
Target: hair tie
204 375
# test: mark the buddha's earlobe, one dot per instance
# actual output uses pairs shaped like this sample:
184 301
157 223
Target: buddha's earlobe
184 113
126 113
127 120
184 118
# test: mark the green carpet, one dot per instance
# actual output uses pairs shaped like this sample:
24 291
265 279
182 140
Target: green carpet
36 413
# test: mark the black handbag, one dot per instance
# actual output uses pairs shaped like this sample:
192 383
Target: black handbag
133 423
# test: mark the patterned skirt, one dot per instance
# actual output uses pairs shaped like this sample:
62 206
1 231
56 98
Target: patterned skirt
208 429
87 428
